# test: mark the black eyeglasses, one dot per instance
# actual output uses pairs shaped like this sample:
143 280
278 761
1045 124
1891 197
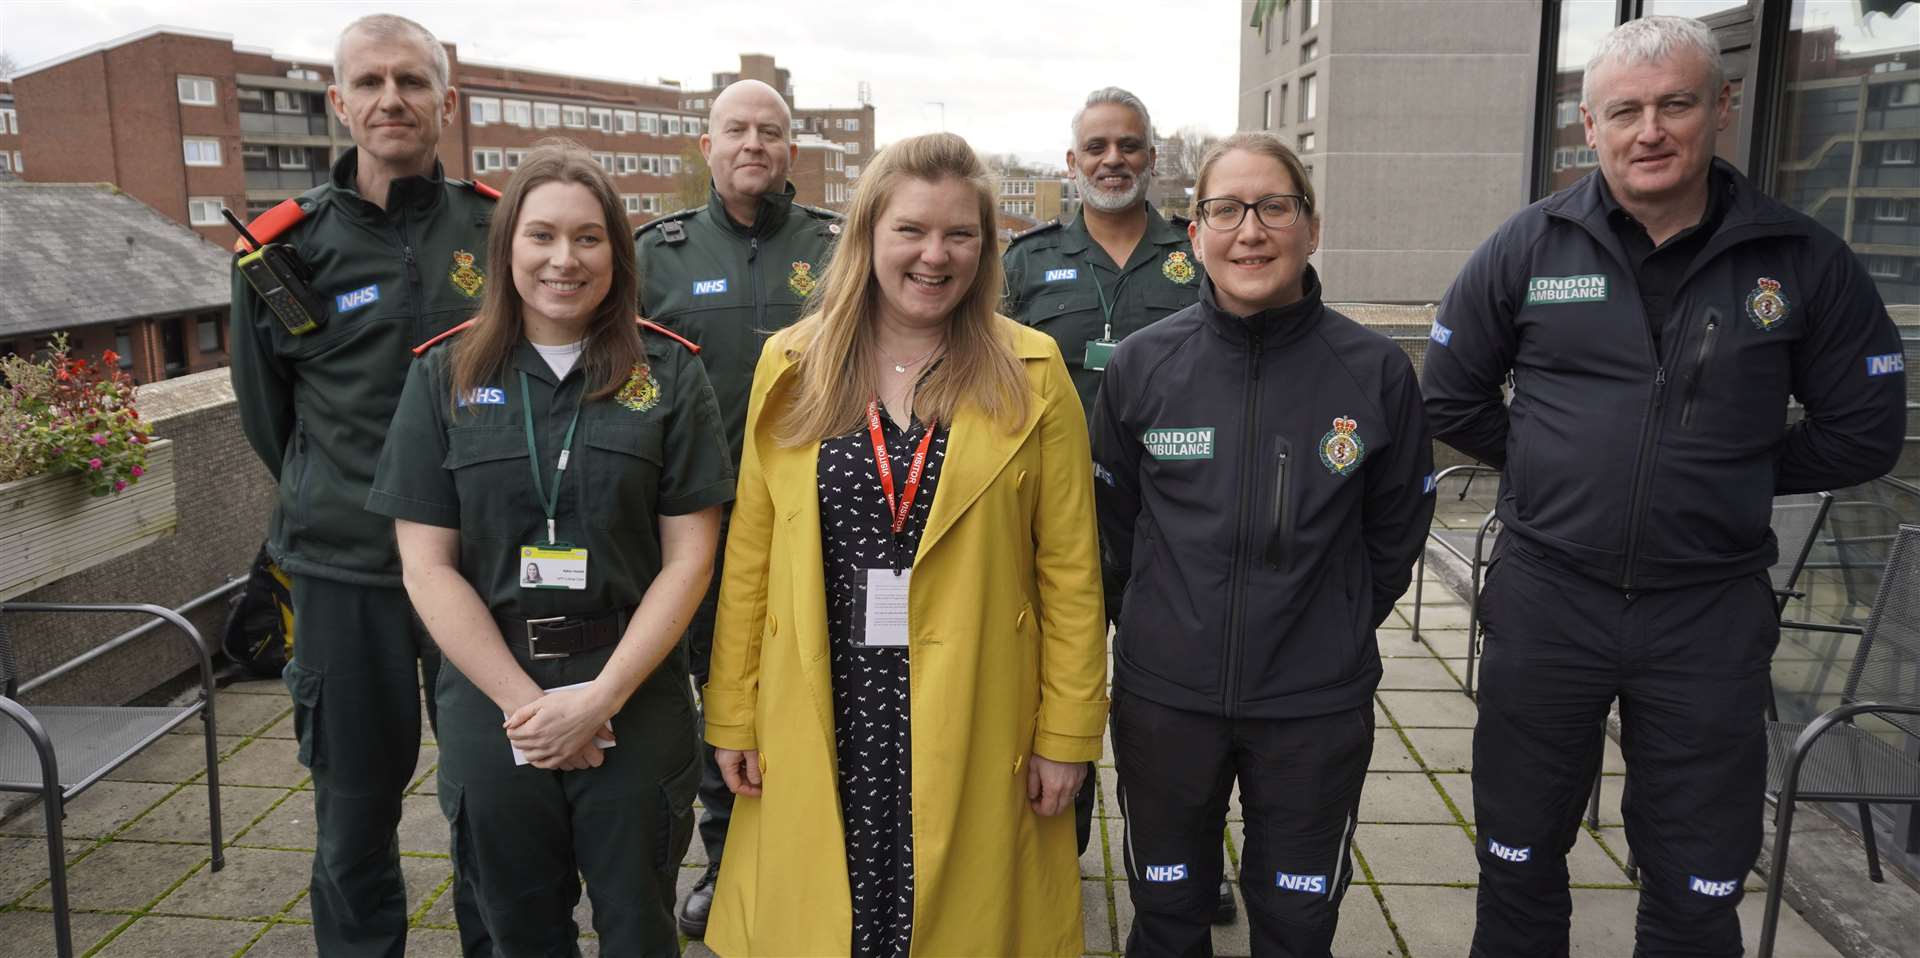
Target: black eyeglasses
1276 211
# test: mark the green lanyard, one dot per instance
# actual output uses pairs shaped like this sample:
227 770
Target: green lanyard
548 501
1106 305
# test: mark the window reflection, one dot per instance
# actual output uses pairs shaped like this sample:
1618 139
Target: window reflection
1583 23
1850 134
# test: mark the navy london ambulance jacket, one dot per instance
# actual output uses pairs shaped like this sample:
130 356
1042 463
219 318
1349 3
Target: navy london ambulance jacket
1263 490
1650 470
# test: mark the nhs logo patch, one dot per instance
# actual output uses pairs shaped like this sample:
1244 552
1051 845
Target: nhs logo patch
1886 365
1062 275
707 287
348 302
1509 853
485 396
1165 873
1710 888
1312 884
1440 334
1432 482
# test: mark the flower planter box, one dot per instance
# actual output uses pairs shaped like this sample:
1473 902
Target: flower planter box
50 528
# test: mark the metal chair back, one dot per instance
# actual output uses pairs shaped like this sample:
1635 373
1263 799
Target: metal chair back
1886 666
9 670
1796 522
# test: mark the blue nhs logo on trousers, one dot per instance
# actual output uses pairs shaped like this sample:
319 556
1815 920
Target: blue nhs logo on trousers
1165 873
1313 884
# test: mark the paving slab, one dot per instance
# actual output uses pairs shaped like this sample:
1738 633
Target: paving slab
1093 862
23 864
125 876
256 883
1424 672
1096 918
101 810
184 816
288 826
1436 922
422 875
286 940
173 758
423 826
1390 753
1363 931
1429 709
238 714
1446 643
28 932
1429 854
1443 749
264 761
1402 797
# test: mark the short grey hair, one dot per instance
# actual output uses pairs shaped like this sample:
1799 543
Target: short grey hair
387 26
1109 94
1652 39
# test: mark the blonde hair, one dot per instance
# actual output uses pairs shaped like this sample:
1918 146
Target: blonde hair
1259 144
834 345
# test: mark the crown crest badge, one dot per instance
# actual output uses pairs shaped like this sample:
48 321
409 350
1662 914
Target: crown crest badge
464 277
1767 307
1341 449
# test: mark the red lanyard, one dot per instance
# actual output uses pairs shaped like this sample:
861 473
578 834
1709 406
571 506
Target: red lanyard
884 465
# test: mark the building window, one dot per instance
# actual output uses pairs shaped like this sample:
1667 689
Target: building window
629 162
6 164
650 203
853 124
853 149
692 126
546 115
853 171
251 99
9 121
1307 85
123 344
208 330
488 161
195 91
600 118
515 158
1312 15
1309 50
606 161
1890 211
1899 152
1266 109
201 151
626 121
632 203
573 116
293 158
289 101
1904 94
650 164
1884 267
516 112
483 110
649 123
204 210
1566 114
1306 143
673 126
673 166
299 74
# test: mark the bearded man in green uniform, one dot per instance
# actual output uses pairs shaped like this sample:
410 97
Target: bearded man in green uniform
395 251
726 276
1114 269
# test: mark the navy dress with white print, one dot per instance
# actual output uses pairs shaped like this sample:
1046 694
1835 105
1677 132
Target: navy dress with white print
870 688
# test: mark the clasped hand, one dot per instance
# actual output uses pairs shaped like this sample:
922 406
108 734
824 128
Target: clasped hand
556 730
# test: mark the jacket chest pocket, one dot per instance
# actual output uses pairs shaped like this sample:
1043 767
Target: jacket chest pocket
1071 317
1163 299
1735 376
621 474
491 475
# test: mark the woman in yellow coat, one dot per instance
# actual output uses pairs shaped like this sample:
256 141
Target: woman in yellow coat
909 664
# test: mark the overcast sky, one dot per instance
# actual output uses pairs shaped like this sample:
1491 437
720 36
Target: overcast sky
1010 72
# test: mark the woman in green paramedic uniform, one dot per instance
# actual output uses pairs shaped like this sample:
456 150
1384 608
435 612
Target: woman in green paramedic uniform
556 475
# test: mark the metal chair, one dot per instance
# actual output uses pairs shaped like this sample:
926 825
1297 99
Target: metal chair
58 752
1831 759
1468 547
1796 521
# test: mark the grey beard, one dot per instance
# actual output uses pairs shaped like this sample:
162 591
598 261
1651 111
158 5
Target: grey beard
1110 202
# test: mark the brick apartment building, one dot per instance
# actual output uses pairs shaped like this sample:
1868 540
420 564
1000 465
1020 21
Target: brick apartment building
189 122
9 132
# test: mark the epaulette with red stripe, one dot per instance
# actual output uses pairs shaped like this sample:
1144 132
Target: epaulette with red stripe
670 334
480 188
272 223
421 350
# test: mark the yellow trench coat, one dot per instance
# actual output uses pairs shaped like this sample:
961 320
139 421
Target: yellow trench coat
1007 659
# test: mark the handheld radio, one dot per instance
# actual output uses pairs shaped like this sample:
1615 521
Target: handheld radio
282 279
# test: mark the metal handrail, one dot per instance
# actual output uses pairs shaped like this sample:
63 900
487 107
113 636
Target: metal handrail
160 616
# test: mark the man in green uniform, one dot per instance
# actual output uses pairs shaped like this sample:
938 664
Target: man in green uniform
726 276
396 251
653 450
1116 268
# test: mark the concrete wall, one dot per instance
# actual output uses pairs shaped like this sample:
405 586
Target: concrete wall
224 497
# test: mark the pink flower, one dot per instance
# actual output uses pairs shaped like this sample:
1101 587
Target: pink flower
99 438
137 472
119 484
94 464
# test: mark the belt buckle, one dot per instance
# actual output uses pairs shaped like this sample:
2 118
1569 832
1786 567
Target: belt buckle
533 640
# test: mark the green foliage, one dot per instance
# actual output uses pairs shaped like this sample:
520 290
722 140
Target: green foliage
65 414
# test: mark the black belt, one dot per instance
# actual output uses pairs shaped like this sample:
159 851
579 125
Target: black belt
561 635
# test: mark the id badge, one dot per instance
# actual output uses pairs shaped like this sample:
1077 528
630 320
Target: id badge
1098 352
887 609
556 566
